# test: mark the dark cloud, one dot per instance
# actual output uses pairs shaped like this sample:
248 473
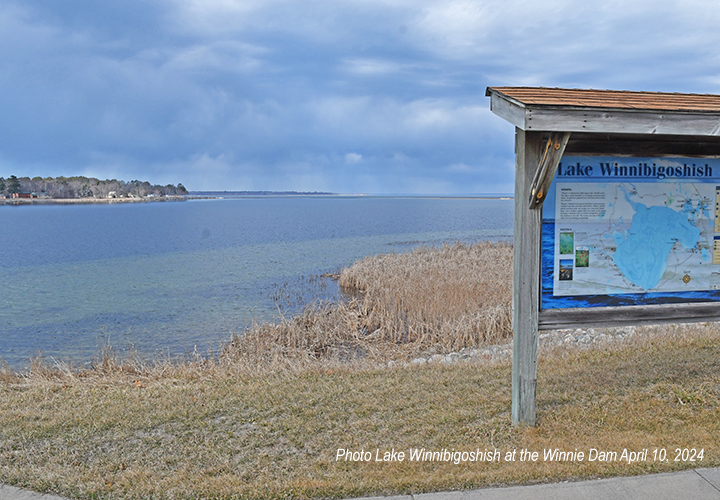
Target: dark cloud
373 96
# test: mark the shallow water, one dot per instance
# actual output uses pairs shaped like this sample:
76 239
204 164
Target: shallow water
169 277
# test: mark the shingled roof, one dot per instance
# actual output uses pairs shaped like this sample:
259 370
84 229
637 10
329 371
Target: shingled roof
610 99
607 111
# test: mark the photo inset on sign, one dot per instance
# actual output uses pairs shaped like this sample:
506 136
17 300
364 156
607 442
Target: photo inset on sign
567 243
582 257
566 269
717 209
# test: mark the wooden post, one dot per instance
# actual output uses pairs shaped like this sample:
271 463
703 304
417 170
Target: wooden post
526 279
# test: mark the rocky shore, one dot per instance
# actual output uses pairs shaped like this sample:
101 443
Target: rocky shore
80 201
574 338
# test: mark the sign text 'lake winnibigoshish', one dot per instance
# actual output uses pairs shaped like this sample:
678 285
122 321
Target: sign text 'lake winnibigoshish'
626 231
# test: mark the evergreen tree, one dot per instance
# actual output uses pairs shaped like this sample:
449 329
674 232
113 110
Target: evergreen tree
13 185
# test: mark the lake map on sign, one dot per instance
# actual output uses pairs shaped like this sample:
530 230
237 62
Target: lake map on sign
639 237
642 254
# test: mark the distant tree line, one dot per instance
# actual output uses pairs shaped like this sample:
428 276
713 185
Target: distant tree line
85 187
262 193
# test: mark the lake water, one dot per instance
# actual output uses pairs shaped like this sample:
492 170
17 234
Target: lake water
169 277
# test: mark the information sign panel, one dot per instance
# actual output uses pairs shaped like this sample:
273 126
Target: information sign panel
629 231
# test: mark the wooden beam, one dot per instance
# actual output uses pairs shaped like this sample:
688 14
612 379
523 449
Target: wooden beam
508 109
554 149
588 144
622 121
526 280
606 317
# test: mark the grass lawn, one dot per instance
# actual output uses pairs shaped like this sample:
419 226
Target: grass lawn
209 430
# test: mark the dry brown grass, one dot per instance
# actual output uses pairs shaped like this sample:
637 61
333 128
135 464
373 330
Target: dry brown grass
204 430
440 299
455 296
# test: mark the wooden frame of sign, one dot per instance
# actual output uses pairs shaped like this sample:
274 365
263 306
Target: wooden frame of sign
553 122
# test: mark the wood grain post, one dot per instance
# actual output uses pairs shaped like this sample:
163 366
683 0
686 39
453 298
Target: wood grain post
526 279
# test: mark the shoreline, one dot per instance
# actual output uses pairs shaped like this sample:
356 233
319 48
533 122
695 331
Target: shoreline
287 194
363 375
216 196
85 201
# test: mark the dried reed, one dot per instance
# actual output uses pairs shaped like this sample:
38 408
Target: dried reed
444 298
455 296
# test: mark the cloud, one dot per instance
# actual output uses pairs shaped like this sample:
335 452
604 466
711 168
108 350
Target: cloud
370 67
363 95
352 158
461 168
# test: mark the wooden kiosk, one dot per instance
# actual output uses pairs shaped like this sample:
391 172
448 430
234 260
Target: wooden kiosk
618 127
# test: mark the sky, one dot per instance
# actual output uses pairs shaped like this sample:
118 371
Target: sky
356 96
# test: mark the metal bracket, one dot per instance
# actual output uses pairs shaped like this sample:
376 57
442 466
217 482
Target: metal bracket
554 149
